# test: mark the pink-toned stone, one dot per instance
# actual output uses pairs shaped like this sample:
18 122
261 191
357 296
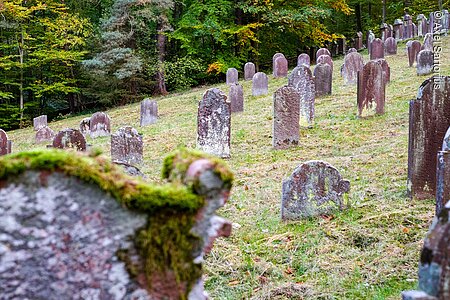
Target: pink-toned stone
249 71
70 138
45 134
390 46
323 51
260 84
99 125
323 75
280 67
386 70
353 63
85 126
236 97
286 118
40 122
304 59
413 48
377 49
325 59
371 88
5 143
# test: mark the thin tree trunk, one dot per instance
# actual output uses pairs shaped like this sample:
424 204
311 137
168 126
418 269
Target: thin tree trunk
358 17
21 102
384 11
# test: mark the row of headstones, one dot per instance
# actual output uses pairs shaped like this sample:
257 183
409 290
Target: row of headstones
422 55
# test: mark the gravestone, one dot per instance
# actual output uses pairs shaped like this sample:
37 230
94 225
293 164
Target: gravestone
384 31
40 122
386 70
45 134
323 51
325 59
275 56
431 24
429 118
85 126
236 98
370 38
5 143
280 67
69 138
371 88
214 123
127 146
443 174
353 63
99 125
377 49
445 20
149 112
415 30
351 50
323 79
359 41
425 62
249 71
398 29
302 80
260 84
304 59
390 46
407 27
428 42
341 46
232 76
286 118
413 48
314 188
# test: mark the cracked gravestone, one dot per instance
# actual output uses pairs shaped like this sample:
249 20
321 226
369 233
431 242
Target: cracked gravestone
323 76
302 80
425 62
45 134
260 84
353 63
149 112
99 125
286 103
236 97
249 71
371 88
39 122
70 138
127 146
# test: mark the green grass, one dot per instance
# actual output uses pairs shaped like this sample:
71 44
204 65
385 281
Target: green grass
369 251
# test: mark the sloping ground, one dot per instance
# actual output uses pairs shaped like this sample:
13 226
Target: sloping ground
369 251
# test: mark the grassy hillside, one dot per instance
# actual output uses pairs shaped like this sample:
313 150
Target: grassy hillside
369 251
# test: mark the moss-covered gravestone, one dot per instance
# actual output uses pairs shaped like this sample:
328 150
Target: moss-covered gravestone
76 227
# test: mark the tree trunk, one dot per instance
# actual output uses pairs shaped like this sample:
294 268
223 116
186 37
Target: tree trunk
161 38
21 104
384 11
358 17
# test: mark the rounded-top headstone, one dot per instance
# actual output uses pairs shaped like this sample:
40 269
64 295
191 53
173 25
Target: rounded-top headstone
99 125
353 63
304 59
5 144
323 75
413 48
70 138
260 84
286 103
45 134
323 51
127 146
85 125
149 112
325 59
351 50
236 98
232 76
249 70
280 67
390 46
425 62
377 49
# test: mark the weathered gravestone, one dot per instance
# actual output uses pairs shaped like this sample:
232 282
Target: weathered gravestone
407 27
280 67
286 118
5 143
236 97
99 125
45 134
386 70
425 62
274 57
149 112
302 80
232 76
428 42
214 123
443 174
422 27
351 50
413 48
127 146
353 63
429 118
377 49
323 75
359 40
390 46
85 126
384 31
314 188
322 51
64 236
325 59
445 20
304 59
70 138
431 28
260 84
370 38
415 30
249 71
371 88
40 122
398 29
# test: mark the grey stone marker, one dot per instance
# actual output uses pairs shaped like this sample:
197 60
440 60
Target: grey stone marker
413 48
304 59
322 51
377 49
422 27
390 46
286 118
302 80
275 56
314 188
325 59
99 125
371 88
323 79
127 146
249 71
280 67
260 84
370 38
232 76
428 42
5 143
236 98
149 112
425 62
353 63
39 122
214 123
398 29
85 126
70 138
45 134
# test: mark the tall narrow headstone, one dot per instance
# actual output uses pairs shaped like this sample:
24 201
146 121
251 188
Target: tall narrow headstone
275 56
45 134
413 48
286 118
407 27
359 41
415 30
5 143
431 24
301 79
422 27
304 59
325 59
236 98
280 67
353 63
371 88
40 122
398 29
85 126
232 76
323 51
425 62
249 71
127 146
384 31
99 125
386 70
214 123
377 49
428 42
149 112
370 38
260 84
390 46
70 138
323 79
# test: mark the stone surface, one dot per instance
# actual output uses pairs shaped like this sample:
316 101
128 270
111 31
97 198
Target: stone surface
99 125
407 27
260 84
429 118
370 38
428 42
359 41
323 75
304 59
314 188
386 70
353 63
302 80
45 134
431 23
377 49
325 59
127 146
286 118
425 62
130 169
371 88
232 76
413 48
70 138
149 112
275 56
40 122
5 143
398 29
443 174
236 97
390 46
249 71
85 126
351 50
384 31
322 51
280 67
214 123
422 27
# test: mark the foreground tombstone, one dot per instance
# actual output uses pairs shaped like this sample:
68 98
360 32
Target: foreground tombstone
214 123
286 118
425 62
377 49
149 112
390 46
413 49
314 188
371 88
304 59
79 228
353 63
249 71
280 67
302 80
323 75
325 59
70 138
99 125
40 122
443 174
232 76
45 134
127 146
5 143
236 98
260 84
429 118
85 126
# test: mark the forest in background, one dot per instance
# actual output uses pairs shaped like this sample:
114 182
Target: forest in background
69 56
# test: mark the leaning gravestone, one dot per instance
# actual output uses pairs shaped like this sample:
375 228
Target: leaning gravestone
386 70
371 88
40 122
214 123
85 126
5 144
376 49
443 174
428 42
127 146
425 62
322 51
249 71
232 76
45 134
314 188
390 46
260 84
99 125
69 138
286 118
149 112
302 80
413 48
236 98
280 67
304 59
323 79
353 63
326 59
429 118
